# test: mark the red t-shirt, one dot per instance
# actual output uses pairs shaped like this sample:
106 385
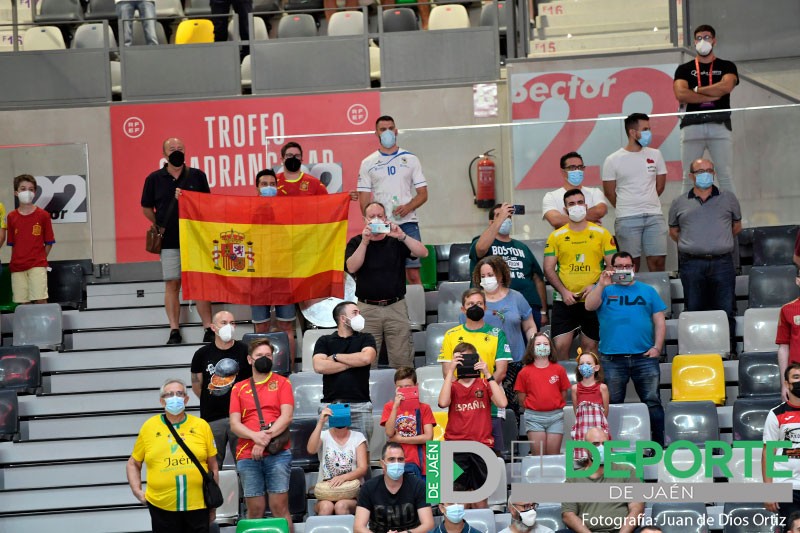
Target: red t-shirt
27 236
305 185
272 393
789 329
590 394
470 416
406 425
543 387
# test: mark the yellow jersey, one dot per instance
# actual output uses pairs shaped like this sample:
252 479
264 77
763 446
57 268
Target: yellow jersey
579 255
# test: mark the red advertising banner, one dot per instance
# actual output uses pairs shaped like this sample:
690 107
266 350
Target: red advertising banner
562 112
231 140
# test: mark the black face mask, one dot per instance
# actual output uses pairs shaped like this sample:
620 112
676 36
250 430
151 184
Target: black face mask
292 164
796 389
263 365
176 158
475 313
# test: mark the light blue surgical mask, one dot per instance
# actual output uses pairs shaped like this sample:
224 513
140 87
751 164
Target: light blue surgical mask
269 190
586 370
601 451
174 405
645 139
395 470
505 227
388 139
704 180
575 177
454 513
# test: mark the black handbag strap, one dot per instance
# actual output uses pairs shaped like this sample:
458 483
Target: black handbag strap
186 449
174 202
258 405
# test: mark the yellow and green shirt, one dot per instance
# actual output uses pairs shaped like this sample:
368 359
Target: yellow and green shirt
579 254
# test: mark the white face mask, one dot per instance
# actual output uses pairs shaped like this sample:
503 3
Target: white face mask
577 213
528 518
489 283
225 332
357 323
703 48
26 197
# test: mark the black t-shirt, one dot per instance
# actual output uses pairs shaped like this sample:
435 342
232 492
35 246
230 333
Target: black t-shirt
383 274
159 192
389 511
719 67
226 367
351 385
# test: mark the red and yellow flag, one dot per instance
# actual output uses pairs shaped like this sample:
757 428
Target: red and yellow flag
258 251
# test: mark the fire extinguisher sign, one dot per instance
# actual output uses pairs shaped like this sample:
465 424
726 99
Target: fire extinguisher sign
582 111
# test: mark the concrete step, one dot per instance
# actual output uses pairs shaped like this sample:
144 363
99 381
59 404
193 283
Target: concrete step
77 427
114 380
597 7
78 360
94 340
603 28
631 14
64 475
600 43
116 295
92 403
109 521
49 451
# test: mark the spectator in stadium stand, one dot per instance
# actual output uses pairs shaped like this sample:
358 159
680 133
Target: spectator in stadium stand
292 181
572 169
523 518
793 523
216 367
394 501
453 521
704 223
526 273
634 178
160 197
147 13
377 259
344 358
788 336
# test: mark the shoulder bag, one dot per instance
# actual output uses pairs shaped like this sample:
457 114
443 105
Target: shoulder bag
278 442
212 494
155 234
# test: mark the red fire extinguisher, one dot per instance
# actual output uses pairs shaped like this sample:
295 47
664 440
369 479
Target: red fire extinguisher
484 196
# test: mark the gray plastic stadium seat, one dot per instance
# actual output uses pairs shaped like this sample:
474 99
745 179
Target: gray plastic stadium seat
415 301
310 338
537 247
381 387
301 429
660 282
760 329
480 519
330 524
745 243
759 374
739 464
489 16
297 25
774 245
42 38
434 336
459 262
169 8
544 469
101 10
138 33
282 358
59 11
38 324
20 368
749 415
9 414
692 517
266 6
429 382
703 332
198 8
772 286
629 422
307 387
682 460
510 433
346 23
399 19
91 36
742 514
696 422
449 307
549 515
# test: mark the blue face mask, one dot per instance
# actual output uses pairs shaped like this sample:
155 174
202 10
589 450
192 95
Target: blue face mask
269 190
647 136
575 177
586 370
704 180
395 470
174 405
601 451
388 139
454 513
505 227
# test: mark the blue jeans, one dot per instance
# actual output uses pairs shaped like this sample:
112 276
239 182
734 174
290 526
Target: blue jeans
147 12
646 375
709 285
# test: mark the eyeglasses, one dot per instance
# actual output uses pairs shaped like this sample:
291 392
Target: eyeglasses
526 507
394 460
623 266
701 170
699 38
289 156
179 394
574 167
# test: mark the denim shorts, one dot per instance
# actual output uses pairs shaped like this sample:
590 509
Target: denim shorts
642 234
544 421
272 472
412 230
262 313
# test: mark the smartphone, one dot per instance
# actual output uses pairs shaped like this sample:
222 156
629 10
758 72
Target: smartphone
409 393
341 415
519 209
379 228
466 368
622 276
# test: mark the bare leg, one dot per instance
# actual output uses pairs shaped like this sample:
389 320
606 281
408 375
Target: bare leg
256 506
553 443
287 326
537 440
562 344
172 302
204 310
279 506
413 276
656 263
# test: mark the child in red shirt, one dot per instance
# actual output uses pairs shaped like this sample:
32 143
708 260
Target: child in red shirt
589 400
409 422
541 386
470 415
30 236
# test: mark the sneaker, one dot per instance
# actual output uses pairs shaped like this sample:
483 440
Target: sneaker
175 337
208 336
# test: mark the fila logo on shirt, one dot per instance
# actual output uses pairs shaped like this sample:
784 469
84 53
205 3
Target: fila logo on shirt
625 300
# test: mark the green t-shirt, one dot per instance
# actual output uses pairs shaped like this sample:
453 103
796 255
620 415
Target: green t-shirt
610 512
521 262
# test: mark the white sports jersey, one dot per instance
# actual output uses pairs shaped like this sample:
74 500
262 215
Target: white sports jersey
389 175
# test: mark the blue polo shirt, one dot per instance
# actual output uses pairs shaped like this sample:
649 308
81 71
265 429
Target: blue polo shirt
626 318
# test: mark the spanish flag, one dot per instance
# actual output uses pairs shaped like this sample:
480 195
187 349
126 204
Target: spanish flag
258 251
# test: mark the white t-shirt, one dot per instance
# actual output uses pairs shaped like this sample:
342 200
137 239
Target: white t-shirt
635 174
337 459
538 528
782 424
388 175
554 200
